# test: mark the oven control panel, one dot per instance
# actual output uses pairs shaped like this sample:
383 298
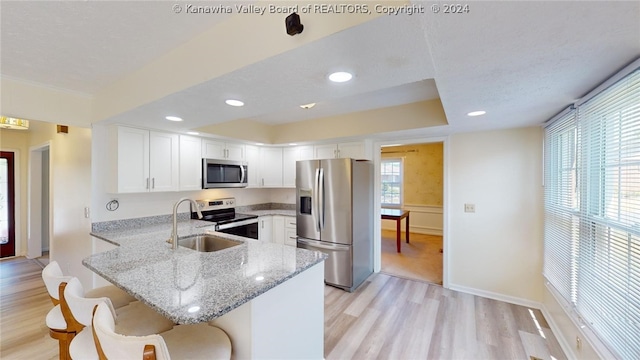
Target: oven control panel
216 204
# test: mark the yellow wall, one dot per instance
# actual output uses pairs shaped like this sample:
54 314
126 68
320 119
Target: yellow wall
422 176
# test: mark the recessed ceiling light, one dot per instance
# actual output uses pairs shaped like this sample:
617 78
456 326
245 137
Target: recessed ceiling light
476 113
292 144
308 106
193 133
340 76
233 102
173 118
259 143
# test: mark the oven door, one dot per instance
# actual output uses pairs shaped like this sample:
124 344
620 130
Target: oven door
244 228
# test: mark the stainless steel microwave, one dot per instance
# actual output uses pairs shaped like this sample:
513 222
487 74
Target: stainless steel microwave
223 174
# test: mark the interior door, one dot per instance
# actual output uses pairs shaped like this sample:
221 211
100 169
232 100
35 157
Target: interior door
7 205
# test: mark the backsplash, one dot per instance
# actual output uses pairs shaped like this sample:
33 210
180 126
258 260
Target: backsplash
134 223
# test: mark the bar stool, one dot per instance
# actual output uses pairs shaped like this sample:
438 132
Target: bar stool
198 341
133 319
59 320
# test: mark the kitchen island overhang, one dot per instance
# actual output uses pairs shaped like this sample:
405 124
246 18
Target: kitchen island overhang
268 297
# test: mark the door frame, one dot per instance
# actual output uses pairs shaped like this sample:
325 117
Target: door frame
377 158
34 238
17 200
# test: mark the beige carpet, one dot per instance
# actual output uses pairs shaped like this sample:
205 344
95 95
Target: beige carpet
421 259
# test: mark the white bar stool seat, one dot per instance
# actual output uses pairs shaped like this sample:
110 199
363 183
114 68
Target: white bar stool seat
133 319
199 341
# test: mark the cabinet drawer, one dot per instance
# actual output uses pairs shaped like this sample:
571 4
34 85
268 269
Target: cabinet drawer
290 237
290 222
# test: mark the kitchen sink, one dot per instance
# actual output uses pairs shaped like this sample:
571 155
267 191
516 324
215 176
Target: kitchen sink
207 243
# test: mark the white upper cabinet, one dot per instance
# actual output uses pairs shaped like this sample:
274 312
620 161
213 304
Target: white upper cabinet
270 171
190 163
145 160
220 150
355 150
253 166
289 158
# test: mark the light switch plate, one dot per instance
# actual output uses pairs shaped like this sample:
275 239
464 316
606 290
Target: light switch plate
470 208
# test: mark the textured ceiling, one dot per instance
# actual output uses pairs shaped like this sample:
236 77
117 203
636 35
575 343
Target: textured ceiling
522 62
83 46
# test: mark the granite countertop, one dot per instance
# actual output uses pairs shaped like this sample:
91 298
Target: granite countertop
188 286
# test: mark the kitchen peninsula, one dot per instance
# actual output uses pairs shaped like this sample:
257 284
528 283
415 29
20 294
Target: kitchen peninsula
268 297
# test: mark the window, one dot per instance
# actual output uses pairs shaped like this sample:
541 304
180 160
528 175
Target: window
391 172
592 213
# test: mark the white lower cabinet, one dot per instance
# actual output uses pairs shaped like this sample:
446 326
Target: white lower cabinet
278 229
290 231
265 228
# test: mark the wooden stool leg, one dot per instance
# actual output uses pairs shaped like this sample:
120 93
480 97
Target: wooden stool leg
64 340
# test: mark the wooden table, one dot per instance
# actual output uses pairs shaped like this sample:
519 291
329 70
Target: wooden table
397 215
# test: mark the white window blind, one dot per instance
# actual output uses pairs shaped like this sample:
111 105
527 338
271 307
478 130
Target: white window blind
561 205
608 283
592 213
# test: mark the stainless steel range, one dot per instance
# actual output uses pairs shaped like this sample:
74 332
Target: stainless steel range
222 212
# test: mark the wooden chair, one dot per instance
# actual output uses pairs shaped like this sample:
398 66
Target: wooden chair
62 326
133 319
199 341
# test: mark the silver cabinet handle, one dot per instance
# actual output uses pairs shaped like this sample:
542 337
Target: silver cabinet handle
153 183
147 183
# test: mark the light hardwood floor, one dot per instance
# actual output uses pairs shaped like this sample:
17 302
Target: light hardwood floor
24 303
385 318
420 259
393 318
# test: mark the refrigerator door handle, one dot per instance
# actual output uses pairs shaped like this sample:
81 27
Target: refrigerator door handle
321 195
324 245
316 205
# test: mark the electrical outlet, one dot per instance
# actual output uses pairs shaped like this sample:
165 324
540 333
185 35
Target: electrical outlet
470 208
87 212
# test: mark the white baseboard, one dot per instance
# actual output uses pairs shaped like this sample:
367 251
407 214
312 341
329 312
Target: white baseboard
496 296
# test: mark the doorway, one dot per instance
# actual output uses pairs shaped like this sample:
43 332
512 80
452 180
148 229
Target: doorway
39 202
412 181
7 204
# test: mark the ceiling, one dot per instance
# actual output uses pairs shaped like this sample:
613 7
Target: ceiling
522 62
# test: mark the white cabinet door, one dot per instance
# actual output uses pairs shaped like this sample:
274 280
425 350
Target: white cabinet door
132 160
278 229
163 161
271 167
289 158
190 163
327 151
265 228
253 167
305 153
220 150
213 149
235 151
353 150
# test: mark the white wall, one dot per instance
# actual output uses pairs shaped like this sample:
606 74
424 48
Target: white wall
498 249
70 168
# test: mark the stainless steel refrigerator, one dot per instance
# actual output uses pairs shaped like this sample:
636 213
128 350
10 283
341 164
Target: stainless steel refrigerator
334 205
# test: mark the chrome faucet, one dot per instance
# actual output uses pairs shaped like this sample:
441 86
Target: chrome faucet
174 234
